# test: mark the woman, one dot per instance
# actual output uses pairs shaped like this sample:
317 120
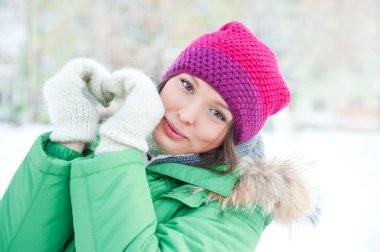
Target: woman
204 184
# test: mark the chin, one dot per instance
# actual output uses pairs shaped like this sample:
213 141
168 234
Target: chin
163 141
168 145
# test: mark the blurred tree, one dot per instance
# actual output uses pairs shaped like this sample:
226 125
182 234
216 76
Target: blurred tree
328 50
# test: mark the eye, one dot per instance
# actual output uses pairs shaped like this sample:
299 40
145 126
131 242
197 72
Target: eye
218 114
187 86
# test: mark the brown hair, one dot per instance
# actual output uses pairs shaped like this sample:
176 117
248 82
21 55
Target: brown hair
224 154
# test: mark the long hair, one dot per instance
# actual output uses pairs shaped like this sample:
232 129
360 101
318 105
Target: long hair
224 154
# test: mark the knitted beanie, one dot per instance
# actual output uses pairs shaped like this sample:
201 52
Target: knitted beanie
242 69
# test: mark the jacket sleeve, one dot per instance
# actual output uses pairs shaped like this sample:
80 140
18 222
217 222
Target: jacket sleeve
113 211
35 211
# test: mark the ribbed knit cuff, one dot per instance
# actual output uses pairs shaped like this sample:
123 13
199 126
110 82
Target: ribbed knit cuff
74 118
116 138
77 130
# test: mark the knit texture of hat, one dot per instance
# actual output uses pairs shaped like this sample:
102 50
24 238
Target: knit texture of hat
242 69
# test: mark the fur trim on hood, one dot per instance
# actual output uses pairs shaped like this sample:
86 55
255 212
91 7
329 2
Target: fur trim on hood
280 188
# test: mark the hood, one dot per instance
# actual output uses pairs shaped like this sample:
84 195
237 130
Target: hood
281 188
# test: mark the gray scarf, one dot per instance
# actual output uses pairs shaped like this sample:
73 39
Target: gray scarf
253 148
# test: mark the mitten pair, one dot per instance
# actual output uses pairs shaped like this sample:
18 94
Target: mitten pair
73 94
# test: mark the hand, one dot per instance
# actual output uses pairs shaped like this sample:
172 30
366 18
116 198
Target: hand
140 113
71 96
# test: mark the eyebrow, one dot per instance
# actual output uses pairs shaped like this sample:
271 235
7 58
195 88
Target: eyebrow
224 106
194 80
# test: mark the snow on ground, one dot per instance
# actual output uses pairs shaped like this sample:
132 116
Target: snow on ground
346 168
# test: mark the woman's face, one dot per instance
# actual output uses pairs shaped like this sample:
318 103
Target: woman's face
196 117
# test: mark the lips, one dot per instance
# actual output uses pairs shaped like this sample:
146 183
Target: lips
172 131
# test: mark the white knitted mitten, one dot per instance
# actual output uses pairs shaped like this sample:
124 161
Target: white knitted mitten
71 96
140 113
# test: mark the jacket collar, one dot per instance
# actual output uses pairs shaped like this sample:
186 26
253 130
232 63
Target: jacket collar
187 167
282 188
221 184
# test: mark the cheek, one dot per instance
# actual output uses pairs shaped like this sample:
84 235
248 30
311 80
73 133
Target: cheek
170 99
210 135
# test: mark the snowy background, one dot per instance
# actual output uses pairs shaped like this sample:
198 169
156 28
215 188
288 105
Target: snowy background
328 53
346 168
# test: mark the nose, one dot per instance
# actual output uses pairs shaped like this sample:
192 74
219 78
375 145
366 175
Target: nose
188 114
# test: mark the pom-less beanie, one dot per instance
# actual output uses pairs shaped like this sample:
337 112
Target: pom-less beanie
242 69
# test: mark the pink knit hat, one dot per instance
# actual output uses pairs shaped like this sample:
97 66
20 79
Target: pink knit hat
242 69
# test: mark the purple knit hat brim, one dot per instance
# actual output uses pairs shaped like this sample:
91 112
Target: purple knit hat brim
223 75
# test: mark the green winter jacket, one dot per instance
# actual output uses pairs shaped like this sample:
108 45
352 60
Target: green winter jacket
59 200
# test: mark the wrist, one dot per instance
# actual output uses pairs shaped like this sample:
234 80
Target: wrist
117 135
57 150
76 146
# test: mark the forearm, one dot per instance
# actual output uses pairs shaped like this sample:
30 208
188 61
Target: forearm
35 212
111 202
